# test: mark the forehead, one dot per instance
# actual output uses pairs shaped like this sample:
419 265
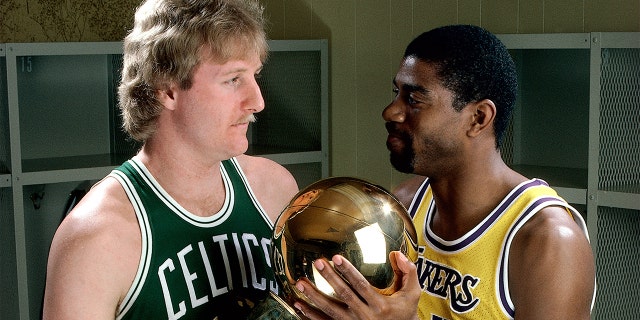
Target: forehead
233 51
209 70
414 71
248 60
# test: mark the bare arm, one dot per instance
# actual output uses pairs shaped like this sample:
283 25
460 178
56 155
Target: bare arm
551 268
93 258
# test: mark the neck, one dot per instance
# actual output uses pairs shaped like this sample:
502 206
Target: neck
464 198
196 185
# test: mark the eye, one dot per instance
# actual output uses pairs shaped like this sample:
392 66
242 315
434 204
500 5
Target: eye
233 81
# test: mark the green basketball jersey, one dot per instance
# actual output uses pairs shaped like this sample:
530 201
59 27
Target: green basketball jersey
195 267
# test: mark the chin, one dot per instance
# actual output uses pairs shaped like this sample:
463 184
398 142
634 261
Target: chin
402 163
239 148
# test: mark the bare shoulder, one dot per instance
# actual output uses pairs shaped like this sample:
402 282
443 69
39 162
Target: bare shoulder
406 190
551 254
273 184
552 228
96 249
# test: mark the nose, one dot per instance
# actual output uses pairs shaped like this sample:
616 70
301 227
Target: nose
393 112
254 101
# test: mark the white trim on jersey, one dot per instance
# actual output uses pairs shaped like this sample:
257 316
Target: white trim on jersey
203 222
252 195
145 256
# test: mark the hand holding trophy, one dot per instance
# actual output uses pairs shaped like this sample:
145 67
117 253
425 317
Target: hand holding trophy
341 215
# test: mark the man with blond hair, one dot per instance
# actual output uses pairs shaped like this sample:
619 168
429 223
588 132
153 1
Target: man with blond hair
182 230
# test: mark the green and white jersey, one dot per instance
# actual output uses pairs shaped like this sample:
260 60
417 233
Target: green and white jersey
195 267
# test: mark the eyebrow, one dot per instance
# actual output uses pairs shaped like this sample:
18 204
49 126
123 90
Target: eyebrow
243 69
412 87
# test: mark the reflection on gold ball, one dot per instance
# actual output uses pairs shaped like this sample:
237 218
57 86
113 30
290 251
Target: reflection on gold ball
346 216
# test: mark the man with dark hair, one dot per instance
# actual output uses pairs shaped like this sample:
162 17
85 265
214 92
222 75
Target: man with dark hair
493 244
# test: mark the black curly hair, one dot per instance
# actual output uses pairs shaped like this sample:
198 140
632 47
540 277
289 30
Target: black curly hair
474 64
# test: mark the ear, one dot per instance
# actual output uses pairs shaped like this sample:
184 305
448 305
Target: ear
167 96
484 112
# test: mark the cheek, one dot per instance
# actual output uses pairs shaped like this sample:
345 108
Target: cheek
429 142
422 133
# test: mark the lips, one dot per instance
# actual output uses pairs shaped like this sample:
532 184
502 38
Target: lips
394 143
395 139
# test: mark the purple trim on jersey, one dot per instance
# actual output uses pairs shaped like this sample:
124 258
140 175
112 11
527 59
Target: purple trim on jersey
501 285
418 196
484 226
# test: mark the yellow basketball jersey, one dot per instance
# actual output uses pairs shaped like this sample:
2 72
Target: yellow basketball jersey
467 278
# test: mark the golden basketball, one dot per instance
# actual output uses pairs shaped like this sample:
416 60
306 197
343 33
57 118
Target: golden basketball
341 215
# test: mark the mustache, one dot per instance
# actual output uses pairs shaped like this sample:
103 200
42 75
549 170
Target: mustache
394 131
250 119
392 128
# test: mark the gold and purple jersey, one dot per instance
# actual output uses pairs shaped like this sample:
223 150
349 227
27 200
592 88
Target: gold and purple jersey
467 278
